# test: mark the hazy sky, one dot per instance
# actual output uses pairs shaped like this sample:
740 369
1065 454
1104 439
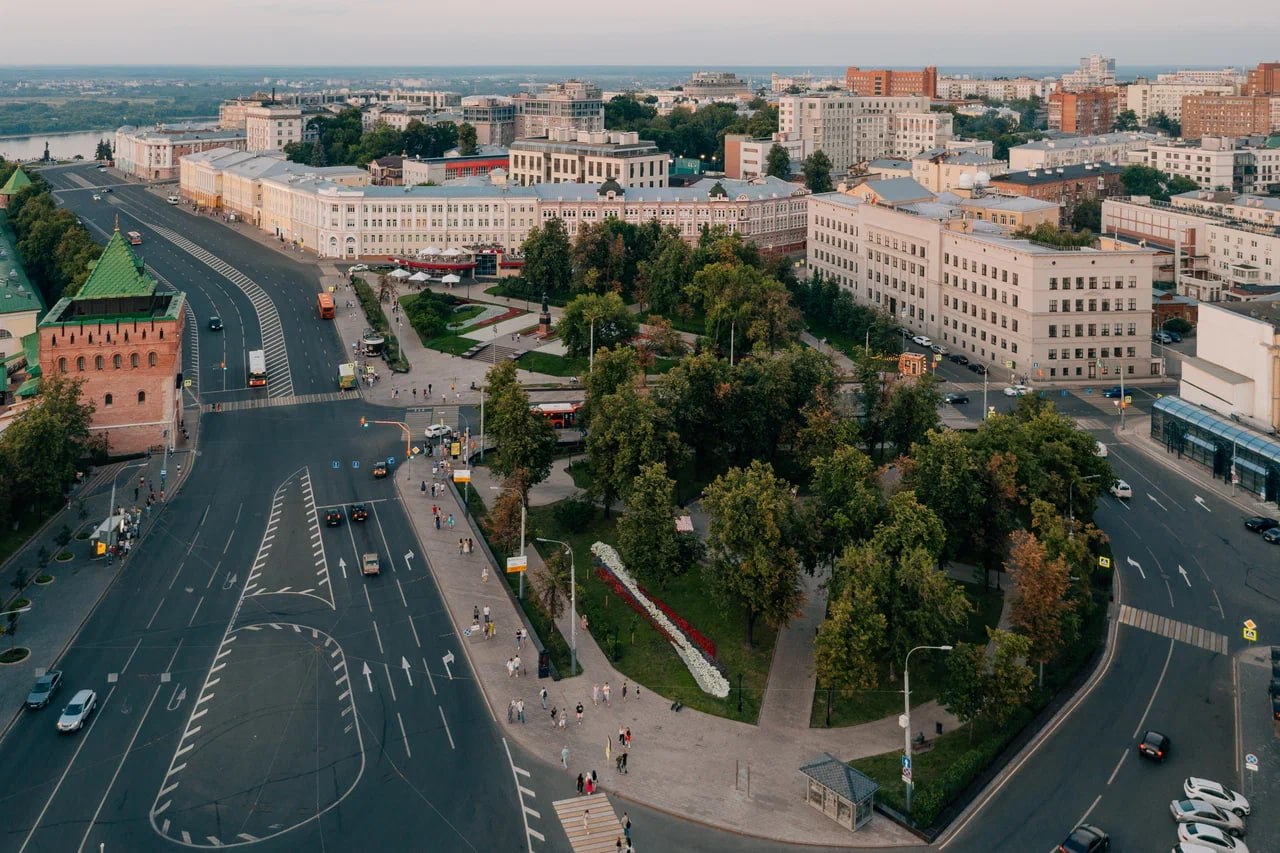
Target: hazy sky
653 32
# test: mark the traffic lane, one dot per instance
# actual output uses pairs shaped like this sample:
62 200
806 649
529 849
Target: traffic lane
1061 780
1259 737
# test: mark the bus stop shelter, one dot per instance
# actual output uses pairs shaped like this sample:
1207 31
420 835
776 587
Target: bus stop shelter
841 793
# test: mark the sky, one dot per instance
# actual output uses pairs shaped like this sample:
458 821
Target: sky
654 32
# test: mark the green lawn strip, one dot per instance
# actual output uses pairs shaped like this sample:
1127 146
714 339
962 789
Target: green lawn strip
553 365
645 655
862 706
463 314
453 344
11 539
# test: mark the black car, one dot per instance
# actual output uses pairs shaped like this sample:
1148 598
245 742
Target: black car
978 369
1115 392
1260 523
379 470
956 399
333 517
215 324
1154 745
1275 706
1085 838
1177 338
46 686
359 512
957 358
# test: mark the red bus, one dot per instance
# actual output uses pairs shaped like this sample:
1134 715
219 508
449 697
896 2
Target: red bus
324 305
561 415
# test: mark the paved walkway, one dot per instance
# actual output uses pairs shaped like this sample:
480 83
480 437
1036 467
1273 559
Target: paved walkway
842 361
788 696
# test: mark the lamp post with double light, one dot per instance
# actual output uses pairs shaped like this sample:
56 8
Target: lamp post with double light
906 712
573 605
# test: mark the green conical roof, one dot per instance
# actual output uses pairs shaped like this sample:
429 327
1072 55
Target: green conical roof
119 272
16 181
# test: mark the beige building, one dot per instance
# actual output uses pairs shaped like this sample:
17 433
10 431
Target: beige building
997 89
228 180
746 158
1147 99
493 118
1095 71
397 116
1075 150
1220 163
1028 311
271 127
571 105
153 153
567 156
851 129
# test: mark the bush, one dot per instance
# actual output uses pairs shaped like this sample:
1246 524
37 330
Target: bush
1177 324
369 303
429 313
575 514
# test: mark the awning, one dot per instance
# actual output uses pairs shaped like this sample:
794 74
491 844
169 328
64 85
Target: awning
419 276
29 388
1251 466
1200 442
451 279
400 273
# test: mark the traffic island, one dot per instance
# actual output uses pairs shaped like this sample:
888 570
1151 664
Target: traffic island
15 655
44 580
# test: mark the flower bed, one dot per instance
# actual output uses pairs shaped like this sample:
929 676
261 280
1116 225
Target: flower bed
690 646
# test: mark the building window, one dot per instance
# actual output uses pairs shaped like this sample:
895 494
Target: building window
151 359
116 361
142 397
62 365
98 362
107 400
80 364
133 360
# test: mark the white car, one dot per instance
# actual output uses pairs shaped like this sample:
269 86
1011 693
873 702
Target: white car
77 711
1198 811
1211 837
359 268
1017 391
438 431
173 199
97 197
1100 450
1121 490
922 340
1219 795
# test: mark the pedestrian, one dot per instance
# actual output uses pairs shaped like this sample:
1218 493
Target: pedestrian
564 718
624 690
564 757
135 493
424 487
450 521
493 630
511 711
484 574
595 694
588 787
605 692
586 818
520 710
510 668
624 761
519 664
626 828
486 614
628 739
555 716
437 522
475 615
471 546
459 546
543 693
595 780
622 737
617 845
519 636
608 749
415 393
579 710
617 762
428 394
162 496
581 783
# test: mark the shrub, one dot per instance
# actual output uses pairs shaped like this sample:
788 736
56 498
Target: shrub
429 313
575 514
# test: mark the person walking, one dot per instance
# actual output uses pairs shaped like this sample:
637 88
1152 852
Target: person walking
516 662
579 710
595 693
628 740
564 757
543 693
588 787
511 712
486 614
604 691
519 637
484 574
510 668
581 784
617 762
555 713
622 737
520 711
626 828
624 690
586 819
624 761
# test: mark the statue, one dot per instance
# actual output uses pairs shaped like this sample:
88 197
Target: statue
544 322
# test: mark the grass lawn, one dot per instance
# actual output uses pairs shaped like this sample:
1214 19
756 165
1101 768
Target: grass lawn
553 365
645 655
927 672
11 540
465 313
450 343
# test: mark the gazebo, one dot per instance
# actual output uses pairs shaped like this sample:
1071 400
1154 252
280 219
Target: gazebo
451 279
400 273
840 792
419 276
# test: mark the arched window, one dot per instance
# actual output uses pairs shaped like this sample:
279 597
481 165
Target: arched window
162 334
133 360
142 397
116 361
5 333
62 365
98 362
80 364
151 359
107 401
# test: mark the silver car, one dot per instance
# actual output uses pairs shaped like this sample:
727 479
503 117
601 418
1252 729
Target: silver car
1198 811
77 711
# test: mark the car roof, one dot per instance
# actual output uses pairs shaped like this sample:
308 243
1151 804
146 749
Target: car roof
81 696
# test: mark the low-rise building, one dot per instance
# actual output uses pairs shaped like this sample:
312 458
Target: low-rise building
153 154
746 158
231 181
1066 186
122 335
270 127
940 170
1075 150
1234 371
387 171
18 181
567 156
716 84
437 170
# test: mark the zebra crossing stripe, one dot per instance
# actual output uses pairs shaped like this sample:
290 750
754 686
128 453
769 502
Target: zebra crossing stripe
276 402
1181 632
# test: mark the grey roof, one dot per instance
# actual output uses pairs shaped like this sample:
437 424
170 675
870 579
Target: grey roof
1264 310
834 775
1067 143
1217 371
899 190
842 199
1053 174
889 163
932 209
643 148
1018 203
17 294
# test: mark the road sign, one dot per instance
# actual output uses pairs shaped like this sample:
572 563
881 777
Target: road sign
391 460
906 762
187 383
1250 624
337 464
1251 759
902 721
1251 635
1104 562
462 475
417 450
1252 767
1035 364
906 775
355 463
518 564
1128 399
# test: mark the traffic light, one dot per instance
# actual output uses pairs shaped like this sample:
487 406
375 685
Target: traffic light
364 423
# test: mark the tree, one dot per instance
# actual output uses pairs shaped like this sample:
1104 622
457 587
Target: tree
1011 678
45 443
1126 120
627 433
779 163
987 685
751 564
1144 180
661 277
964 690
1168 125
647 538
525 440
552 583
599 321
1040 604
103 151
548 260
848 503
613 370
817 173
692 397
945 476
1087 216
912 412
466 139
1054 236
503 519
850 642
318 156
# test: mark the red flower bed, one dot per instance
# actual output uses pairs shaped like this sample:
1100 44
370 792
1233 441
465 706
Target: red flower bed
625 594
708 647
695 636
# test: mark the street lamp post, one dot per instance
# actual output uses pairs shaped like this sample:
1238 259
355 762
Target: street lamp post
522 520
984 395
573 606
1071 513
906 708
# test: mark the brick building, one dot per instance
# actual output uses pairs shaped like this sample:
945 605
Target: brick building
1229 115
1264 80
883 82
1065 185
124 338
1087 112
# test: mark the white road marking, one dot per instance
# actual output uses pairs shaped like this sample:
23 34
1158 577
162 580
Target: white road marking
440 708
387 670
157 613
403 735
1159 682
123 756
1137 566
192 620
378 636
131 654
402 600
430 680
524 813
416 641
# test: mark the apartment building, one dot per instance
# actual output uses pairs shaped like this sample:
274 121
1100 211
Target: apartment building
1263 80
1071 151
806 82
567 156
1229 115
437 170
270 127
746 158
716 84
493 118
1065 186
964 87
231 113
571 105
850 129
433 100
1148 99
1094 71
1205 77
1220 163
153 154
230 180
882 82
1087 111
1029 311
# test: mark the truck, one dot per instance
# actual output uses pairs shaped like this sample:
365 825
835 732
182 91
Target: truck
347 376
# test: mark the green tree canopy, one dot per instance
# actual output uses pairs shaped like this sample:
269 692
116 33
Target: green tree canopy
647 538
817 173
848 503
43 446
778 164
661 278
597 320
467 139
1144 180
627 433
548 259
850 642
526 442
613 370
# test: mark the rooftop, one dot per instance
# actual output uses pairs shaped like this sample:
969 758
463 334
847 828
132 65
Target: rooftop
899 190
1071 142
17 294
1051 175
118 272
17 181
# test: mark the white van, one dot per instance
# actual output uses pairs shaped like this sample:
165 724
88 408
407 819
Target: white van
1100 450
173 199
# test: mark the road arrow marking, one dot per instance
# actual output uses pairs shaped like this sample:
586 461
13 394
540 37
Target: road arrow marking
366 672
1135 564
404 664
1183 572
448 659
1153 499
342 564
408 555
1203 505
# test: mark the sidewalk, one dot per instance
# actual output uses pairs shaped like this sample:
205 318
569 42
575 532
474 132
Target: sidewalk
730 775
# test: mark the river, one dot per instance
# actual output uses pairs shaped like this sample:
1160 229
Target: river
62 146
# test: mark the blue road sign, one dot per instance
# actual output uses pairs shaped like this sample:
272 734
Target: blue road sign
391 460
906 762
336 464
355 463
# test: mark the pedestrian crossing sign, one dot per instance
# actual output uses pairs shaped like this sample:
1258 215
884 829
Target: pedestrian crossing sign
1104 562
1250 630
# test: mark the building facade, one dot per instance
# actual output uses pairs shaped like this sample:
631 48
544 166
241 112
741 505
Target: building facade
746 158
1149 99
996 89
1094 71
590 158
1236 369
271 127
1219 163
493 118
231 181
851 129
1263 80
882 82
1229 115
715 84
437 170
123 336
1066 186
571 105
1071 151
154 154
1088 111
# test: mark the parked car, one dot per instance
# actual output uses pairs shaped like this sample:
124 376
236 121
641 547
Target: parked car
1017 391
1121 490
1177 338
97 197
922 340
215 324
1115 392
1154 745
1211 837
1260 523
979 369
957 358
1198 811
359 512
333 517
379 470
46 685
956 399
1219 795
359 268
173 199
77 711
938 348
1161 337
1272 535
1086 838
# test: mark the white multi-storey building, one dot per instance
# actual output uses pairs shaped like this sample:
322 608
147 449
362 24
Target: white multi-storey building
567 156
1029 311
1220 163
153 153
746 158
571 105
851 129
1148 99
1095 71
270 127
1074 150
1203 77
997 89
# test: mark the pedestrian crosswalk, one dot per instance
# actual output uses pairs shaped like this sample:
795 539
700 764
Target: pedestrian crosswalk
1145 620
273 402
590 823
421 417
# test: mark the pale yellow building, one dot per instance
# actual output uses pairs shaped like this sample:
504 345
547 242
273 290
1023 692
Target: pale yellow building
270 127
567 156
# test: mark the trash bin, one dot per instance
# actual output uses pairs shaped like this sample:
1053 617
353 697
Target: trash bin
544 664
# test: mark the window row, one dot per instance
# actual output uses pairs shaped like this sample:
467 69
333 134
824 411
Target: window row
117 362
109 399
